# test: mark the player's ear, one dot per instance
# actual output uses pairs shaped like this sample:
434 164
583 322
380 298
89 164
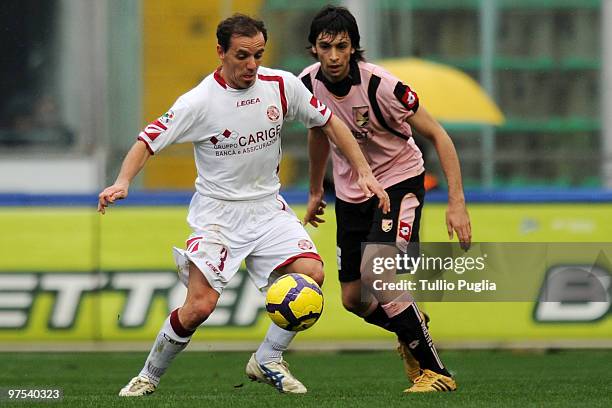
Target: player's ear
220 52
313 49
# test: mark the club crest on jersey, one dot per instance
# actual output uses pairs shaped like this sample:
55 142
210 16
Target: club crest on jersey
305 244
386 225
273 113
404 231
361 116
167 117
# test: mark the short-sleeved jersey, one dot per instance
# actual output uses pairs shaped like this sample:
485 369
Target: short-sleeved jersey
236 132
375 109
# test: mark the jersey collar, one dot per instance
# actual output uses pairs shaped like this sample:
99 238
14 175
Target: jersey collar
343 87
219 78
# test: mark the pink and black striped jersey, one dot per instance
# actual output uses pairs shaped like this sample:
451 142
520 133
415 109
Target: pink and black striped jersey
374 105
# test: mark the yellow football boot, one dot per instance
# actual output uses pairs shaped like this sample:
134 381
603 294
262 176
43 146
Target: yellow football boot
432 382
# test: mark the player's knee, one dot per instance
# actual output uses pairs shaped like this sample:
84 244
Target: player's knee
352 298
368 279
317 273
352 306
351 303
198 310
309 267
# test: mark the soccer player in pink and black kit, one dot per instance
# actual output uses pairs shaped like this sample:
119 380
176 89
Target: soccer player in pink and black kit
234 119
381 112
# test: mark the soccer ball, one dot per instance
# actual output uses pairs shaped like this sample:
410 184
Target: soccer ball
294 302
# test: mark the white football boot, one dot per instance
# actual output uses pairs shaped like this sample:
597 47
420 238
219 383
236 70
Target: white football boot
137 387
276 374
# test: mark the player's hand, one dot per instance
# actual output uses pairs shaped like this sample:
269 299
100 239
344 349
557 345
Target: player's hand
110 194
314 209
458 220
370 186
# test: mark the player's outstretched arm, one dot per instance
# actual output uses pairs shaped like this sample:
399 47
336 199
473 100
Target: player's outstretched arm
134 161
457 217
341 136
318 153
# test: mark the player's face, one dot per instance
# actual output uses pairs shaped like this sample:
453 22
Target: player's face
334 53
240 62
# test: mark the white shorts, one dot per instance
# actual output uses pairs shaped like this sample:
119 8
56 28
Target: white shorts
265 233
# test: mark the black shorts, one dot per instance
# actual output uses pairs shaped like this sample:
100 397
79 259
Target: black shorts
365 222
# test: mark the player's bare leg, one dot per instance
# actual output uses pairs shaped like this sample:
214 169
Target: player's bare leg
267 364
175 334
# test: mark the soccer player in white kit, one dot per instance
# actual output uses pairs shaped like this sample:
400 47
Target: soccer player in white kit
234 119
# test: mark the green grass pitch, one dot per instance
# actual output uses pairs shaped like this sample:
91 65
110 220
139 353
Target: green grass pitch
348 379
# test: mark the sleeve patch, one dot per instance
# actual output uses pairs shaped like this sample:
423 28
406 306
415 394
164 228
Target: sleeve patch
406 96
154 129
318 105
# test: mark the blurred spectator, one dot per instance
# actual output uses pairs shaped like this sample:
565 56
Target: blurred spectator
31 120
29 114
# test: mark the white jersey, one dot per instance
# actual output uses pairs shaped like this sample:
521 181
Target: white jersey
236 132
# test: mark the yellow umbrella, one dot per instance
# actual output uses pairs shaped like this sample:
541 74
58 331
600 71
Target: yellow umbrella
450 95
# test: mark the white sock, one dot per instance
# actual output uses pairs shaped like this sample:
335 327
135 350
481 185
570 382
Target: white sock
167 345
276 341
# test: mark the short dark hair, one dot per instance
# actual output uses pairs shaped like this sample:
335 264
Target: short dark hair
334 20
239 25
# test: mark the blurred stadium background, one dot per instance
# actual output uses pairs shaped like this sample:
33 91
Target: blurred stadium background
80 78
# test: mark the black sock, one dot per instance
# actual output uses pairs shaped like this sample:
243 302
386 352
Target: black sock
379 318
412 331
408 329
